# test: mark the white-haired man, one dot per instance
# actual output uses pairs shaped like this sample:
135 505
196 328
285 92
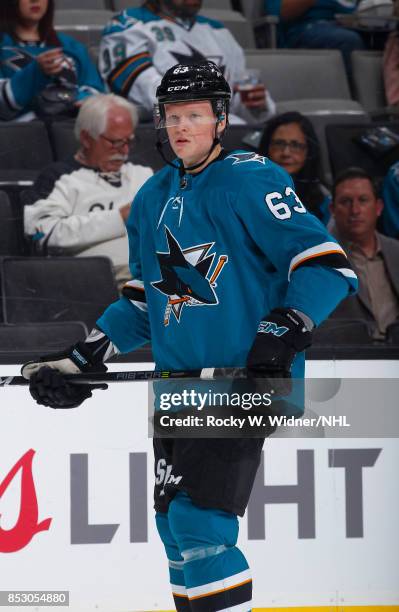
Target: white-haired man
80 206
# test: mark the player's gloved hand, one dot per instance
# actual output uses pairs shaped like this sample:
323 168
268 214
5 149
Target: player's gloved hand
281 334
49 387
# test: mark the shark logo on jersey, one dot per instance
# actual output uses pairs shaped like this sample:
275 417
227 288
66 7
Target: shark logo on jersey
242 158
185 279
19 58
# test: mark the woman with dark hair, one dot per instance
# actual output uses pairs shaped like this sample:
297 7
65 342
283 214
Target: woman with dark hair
41 73
290 141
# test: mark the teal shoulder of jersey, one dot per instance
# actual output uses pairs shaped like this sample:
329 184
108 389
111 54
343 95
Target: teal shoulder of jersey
129 18
217 25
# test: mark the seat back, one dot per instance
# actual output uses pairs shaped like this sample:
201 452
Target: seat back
253 9
63 139
38 289
26 342
299 74
344 150
393 333
83 25
225 5
342 332
368 79
234 21
121 5
77 4
81 17
11 241
24 146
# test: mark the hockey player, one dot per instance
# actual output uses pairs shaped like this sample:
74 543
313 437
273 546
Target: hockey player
140 44
229 269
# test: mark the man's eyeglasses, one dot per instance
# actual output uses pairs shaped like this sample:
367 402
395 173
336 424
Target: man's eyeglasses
292 145
118 143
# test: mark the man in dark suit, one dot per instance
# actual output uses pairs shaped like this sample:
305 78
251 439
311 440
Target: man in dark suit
374 257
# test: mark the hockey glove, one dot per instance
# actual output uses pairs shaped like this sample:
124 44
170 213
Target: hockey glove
48 385
281 335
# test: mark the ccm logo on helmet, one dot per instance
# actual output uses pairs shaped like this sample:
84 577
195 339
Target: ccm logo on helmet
178 88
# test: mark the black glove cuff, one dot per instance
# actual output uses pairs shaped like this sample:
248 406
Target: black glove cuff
288 326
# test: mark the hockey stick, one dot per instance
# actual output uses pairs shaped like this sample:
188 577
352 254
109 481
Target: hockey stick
136 375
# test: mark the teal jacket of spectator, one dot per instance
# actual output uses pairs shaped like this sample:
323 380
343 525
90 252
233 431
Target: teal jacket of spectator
323 10
21 78
390 195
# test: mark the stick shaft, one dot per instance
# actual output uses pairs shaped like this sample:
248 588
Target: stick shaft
136 376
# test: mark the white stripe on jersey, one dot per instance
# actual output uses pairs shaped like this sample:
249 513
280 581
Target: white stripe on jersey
319 249
220 585
179 589
346 272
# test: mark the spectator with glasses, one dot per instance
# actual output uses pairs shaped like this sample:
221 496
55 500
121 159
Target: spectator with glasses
80 206
291 142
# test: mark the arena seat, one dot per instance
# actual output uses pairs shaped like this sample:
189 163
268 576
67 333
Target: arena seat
95 5
234 21
63 139
344 150
11 232
264 26
225 5
53 289
393 333
120 5
368 79
24 150
84 25
304 78
25 342
342 332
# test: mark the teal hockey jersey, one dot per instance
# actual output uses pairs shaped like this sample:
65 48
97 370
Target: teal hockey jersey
211 254
21 78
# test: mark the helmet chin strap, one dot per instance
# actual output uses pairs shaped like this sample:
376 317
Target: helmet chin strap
181 167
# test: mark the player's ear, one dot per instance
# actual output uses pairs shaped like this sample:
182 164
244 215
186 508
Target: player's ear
221 124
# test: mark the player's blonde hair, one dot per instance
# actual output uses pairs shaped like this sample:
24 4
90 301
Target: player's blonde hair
94 112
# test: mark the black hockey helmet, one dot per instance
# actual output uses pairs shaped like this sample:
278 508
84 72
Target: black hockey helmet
189 82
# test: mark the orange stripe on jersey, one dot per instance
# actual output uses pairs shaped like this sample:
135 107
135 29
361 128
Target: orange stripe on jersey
235 586
178 595
127 63
339 252
133 75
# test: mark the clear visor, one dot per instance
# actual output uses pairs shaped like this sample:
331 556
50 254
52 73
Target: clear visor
189 117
